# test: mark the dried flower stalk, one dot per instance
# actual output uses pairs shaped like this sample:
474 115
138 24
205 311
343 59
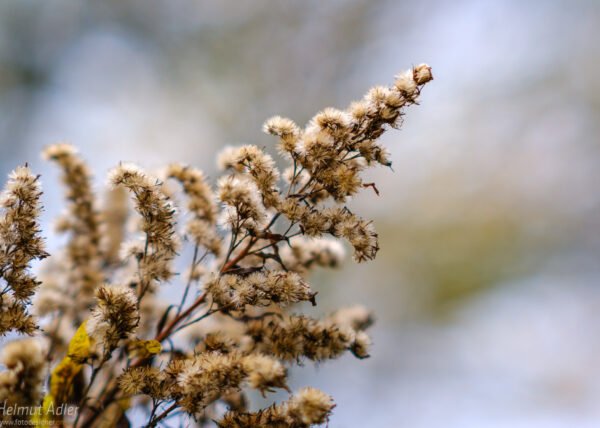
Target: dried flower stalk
254 239
20 244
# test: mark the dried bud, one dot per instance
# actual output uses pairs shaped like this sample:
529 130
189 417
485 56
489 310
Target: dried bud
23 381
287 131
310 406
114 318
422 74
264 373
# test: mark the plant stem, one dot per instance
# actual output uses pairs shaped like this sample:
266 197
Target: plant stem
239 257
189 282
83 401
163 415
169 328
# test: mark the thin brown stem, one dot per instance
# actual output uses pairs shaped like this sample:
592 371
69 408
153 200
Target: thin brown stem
83 402
169 328
243 253
163 415
189 281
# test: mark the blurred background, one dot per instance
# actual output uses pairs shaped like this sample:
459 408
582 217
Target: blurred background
486 288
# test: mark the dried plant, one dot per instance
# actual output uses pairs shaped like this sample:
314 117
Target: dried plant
104 342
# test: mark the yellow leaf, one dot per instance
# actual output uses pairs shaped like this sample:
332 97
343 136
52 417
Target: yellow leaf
62 377
45 417
153 346
144 348
80 345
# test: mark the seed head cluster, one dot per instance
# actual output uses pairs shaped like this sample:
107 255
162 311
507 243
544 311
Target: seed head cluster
20 244
306 408
175 294
81 221
22 381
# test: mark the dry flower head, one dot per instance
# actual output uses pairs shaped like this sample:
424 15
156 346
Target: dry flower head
106 341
